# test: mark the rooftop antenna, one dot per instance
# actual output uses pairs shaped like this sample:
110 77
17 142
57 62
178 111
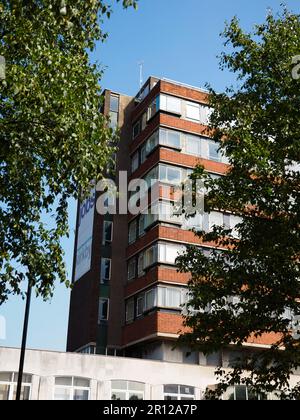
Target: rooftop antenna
141 65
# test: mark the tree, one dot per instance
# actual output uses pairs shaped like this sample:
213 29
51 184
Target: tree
53 138
248 287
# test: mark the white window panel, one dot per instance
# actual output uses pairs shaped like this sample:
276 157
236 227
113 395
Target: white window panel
194 222
166 213
193 146
170 174
179 392
127 390
214 151
71 388
215 219
168 252
192 111
150 299
224 158
150 256
163 102
169 297
171 254
173 104
8 386
170 138
170 104
205 112
234 221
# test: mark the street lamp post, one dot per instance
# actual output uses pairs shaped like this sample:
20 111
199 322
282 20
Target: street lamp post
24 340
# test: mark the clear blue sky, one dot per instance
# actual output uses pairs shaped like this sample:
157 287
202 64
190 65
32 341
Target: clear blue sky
176 39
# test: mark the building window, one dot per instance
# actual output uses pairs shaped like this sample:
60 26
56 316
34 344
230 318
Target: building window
140 305
166 213
215 219
169 297
105 270
129 310
167 253
153 108
192 111
205 112
170 138
152 142
152 176
234 221
214 151
194 222
8 386
108 200
114 103
132 231
142 224
170 174
143 93
141 271
150 299
143 153
179 392
103 309
131 269
71 388
107 232
172 298
242 393
135 162
162 253
170 104
143 120
114 111
136 129
113 116
88 350
150 256
127 390
193 146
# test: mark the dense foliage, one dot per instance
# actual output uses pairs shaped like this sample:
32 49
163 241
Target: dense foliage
53 139
248 289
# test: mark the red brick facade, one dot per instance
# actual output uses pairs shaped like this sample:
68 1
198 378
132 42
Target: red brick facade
156 325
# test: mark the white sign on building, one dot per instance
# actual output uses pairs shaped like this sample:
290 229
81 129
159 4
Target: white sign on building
85 236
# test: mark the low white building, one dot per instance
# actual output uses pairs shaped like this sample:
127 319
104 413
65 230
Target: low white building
53 375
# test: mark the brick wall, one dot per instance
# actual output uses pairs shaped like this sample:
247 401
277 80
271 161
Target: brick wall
158 322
